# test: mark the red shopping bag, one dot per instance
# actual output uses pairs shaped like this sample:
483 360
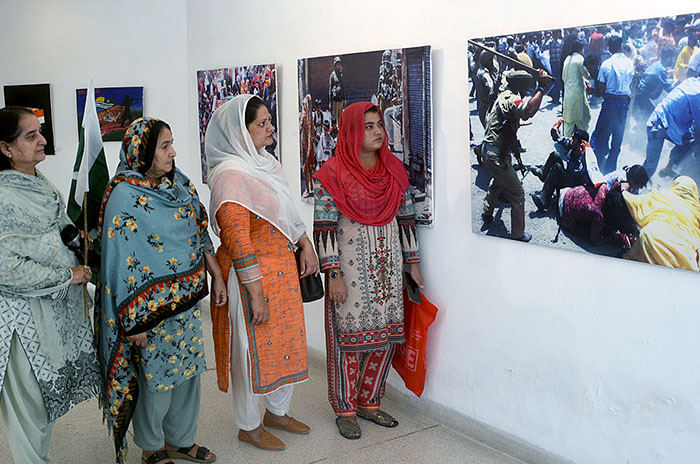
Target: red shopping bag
410 357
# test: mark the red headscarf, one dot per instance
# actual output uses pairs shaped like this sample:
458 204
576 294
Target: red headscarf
370 197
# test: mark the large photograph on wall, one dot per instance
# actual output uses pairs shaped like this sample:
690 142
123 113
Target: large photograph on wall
36 97
117 108
600 152
399 82
217 86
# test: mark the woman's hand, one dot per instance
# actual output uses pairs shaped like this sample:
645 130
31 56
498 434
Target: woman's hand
218 285
260 309
337 291
258 302
415 274
218 291
81 275
308 261
139 340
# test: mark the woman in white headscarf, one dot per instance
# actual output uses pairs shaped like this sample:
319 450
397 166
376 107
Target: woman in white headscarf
260 337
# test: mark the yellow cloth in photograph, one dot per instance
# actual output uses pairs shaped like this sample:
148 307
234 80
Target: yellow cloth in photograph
670 222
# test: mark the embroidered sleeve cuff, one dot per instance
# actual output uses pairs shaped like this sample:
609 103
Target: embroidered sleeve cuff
248 269
408 239
328 262
327 246
410 257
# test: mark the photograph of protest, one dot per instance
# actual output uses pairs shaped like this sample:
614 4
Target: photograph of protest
217 86
398 81
586 138
36 97
117 108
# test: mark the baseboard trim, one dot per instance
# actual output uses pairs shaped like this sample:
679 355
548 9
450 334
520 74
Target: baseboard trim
471 428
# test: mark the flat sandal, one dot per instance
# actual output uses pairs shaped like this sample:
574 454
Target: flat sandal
200 455
157 456
348 428
378 417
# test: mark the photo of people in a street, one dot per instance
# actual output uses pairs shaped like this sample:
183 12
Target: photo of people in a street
217 86
587 138
398 82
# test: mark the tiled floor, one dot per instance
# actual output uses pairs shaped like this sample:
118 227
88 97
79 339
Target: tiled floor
81 436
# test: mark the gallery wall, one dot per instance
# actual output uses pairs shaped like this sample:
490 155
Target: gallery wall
125 43
589 358
592 359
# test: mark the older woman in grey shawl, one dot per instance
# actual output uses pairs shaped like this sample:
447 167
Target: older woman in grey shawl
47 360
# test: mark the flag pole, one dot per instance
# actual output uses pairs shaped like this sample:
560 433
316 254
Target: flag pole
85 252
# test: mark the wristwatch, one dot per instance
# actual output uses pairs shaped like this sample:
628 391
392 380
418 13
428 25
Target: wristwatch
334 274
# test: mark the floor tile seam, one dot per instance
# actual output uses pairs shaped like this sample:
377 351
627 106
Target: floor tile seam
382 442
408 434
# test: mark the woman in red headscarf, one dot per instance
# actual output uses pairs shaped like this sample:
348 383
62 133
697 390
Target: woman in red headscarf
364 225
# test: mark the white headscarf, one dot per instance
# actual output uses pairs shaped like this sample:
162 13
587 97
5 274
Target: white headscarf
240 174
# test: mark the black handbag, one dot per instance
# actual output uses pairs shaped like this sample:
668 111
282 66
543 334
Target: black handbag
311 285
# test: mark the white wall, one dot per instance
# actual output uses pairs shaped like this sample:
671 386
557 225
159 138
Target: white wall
124 43
590 358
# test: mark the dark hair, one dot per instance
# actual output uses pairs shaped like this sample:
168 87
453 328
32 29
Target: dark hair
668 53
149 141
9 128
615 44
251 109
486 59
568 48
637 176
668 25
616 214
581 134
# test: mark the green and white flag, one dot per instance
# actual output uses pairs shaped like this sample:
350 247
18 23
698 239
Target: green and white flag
90 174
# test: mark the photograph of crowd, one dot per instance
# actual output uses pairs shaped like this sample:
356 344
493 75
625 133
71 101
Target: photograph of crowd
587 138
117 108
217 86
398 81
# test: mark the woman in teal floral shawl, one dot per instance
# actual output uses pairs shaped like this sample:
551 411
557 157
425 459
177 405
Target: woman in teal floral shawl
155 253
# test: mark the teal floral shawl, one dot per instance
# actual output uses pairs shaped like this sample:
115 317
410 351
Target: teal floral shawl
154 236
